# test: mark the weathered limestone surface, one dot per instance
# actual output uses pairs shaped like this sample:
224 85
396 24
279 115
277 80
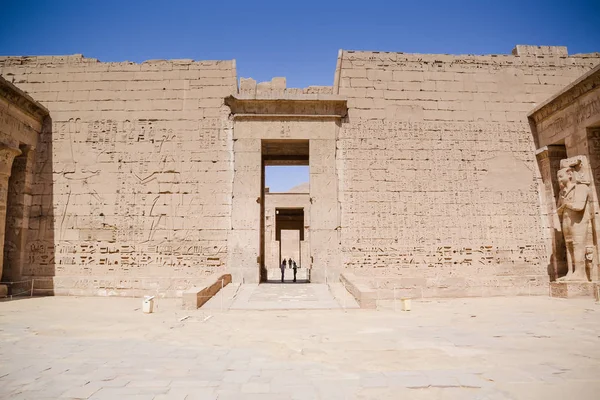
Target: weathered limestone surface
508 348
574 208
147 182
290 244
438 184
570 290
21 121
195 297
133 187
365 295
7 156
272 245
566 130
295 117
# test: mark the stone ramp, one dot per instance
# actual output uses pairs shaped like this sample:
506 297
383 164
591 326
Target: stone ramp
223 299
285 296
343 297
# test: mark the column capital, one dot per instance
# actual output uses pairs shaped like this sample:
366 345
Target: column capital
7 156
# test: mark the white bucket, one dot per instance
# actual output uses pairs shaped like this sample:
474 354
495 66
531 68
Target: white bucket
148 304
405 304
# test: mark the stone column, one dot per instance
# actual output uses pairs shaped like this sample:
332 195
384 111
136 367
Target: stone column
549 162
593 146
17 214
7 156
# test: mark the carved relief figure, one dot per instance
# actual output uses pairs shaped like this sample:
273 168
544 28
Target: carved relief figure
574 209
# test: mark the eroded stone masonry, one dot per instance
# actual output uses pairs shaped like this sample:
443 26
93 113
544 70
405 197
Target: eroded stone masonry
149 178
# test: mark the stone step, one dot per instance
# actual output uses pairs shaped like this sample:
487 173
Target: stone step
285 296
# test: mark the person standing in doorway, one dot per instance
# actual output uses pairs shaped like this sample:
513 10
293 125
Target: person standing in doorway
282 269
295 270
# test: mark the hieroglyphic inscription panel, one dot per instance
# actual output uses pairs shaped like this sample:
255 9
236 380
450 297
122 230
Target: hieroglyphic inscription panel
132 198
437 170
434 200
133 177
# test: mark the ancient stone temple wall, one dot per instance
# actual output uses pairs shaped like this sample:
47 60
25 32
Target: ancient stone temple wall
566 130
438 187
423 175
21 121
133 178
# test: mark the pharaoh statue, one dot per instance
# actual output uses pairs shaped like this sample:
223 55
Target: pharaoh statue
574 210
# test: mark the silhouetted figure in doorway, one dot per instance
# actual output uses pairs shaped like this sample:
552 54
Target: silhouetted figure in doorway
295 269
283 263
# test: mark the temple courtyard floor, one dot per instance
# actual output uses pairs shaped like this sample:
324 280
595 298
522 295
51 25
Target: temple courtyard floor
485 348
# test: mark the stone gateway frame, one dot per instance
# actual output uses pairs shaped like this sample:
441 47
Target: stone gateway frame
293 123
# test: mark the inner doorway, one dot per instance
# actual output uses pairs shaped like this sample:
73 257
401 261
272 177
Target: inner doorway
289 233
285 213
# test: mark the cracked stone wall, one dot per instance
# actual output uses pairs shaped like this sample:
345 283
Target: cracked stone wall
438 179
133 178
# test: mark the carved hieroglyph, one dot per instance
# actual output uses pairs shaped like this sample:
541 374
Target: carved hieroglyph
574 209
149 177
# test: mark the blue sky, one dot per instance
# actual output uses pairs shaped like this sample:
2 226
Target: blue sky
283 178
295 39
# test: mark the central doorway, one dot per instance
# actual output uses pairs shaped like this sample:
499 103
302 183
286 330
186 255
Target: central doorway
285 212
269 130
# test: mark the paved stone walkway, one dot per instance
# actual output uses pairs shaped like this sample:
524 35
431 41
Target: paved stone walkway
284 296
106 348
